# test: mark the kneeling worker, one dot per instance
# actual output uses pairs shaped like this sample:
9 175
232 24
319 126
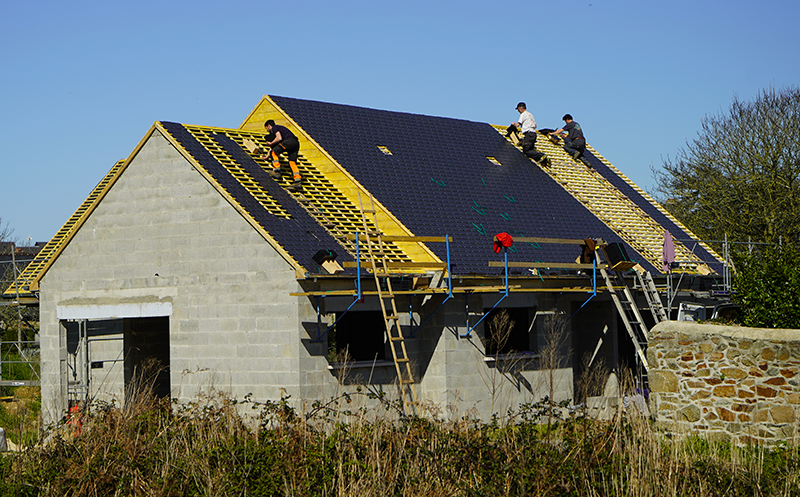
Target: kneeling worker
282 141
574 142
527 126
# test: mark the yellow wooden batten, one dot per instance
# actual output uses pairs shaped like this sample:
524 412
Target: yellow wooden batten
612 207
342 180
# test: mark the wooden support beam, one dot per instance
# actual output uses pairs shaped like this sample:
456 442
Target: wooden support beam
401 238
400 265
562 241
443 291
555 265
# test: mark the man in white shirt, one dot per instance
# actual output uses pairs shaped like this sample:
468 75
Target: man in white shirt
527 126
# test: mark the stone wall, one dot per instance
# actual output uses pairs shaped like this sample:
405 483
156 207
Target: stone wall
726 383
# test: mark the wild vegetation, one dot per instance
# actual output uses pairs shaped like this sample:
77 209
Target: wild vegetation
362 444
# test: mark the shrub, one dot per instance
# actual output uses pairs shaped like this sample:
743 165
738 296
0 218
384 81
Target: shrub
767 286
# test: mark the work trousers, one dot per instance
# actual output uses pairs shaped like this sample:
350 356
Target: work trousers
576 145
529 146
290 145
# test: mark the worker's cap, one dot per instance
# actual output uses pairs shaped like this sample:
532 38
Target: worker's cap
521 104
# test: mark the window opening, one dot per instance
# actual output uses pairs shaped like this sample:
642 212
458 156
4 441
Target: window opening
357 336
508 330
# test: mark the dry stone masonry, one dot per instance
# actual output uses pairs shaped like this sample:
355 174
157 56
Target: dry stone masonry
727 383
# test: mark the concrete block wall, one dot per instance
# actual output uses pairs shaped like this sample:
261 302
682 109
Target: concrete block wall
453 379
730 383
164 238
460 381
164 235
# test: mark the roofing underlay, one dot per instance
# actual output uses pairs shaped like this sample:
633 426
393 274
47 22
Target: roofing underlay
429 176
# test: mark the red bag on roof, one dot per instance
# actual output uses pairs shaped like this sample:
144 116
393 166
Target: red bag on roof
502 240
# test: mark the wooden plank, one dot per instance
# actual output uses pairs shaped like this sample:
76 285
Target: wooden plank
401 238
433 291
562 241
555 265
419 291
251 146
399 265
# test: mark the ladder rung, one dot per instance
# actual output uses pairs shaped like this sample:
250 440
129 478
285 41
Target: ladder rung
397 339
402 360
406 382
391 318
368 211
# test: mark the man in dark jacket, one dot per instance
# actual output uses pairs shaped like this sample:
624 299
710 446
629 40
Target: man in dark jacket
282 140
574 142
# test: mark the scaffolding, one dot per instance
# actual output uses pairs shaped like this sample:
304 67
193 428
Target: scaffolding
19 359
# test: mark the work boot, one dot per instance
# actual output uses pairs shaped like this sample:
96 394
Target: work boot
297 184
586 162
543 161
275 173
576 155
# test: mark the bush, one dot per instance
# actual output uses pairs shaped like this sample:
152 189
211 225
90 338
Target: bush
767 287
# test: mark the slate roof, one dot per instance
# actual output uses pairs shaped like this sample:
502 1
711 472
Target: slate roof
439 181
299 233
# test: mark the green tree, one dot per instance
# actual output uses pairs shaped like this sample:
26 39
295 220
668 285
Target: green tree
767 287
741 175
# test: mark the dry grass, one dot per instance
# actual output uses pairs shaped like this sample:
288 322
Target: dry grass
348 446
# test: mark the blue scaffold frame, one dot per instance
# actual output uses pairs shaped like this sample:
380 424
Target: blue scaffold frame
359 297
468 334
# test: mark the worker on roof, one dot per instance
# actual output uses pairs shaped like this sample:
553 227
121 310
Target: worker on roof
527 126
574 142
282 140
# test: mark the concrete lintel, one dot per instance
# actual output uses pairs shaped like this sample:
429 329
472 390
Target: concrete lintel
128 310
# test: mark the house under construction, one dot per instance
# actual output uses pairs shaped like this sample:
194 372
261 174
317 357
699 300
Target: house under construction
380 270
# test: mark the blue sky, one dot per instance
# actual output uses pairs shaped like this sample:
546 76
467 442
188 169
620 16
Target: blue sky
82 82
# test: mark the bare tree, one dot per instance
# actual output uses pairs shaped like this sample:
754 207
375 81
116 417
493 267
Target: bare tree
6 248
499 328
741 175
553 356
6 232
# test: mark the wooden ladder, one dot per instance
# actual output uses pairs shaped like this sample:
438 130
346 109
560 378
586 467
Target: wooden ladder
376 251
